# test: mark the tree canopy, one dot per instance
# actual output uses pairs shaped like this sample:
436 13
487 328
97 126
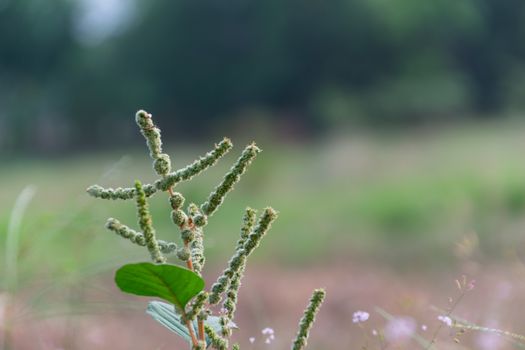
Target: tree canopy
199 63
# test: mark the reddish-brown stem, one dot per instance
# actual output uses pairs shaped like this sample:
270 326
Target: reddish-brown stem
189 263
201 329
194 340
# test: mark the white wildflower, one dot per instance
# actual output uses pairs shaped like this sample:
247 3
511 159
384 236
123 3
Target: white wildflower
360 316
445 319
267 331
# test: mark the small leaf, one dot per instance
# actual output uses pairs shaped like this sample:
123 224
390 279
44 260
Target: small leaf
166 315
172 283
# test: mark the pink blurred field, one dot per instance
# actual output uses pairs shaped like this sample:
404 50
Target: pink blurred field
266 300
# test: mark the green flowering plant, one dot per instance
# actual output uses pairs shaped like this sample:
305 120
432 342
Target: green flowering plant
188 311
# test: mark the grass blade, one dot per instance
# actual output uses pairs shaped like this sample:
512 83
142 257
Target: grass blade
13 236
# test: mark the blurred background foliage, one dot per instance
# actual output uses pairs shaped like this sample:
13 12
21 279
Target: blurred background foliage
70 73
386 125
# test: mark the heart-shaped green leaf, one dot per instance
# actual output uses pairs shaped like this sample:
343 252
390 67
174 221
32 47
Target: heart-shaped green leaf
169 282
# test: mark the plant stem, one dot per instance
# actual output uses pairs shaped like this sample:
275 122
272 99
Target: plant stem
194 340
189 264
201 329
440 326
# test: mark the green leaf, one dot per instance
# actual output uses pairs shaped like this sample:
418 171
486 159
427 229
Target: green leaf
172 283
166 315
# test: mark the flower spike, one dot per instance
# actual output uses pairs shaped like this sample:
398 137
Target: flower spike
196 167
147 226
308 319
137 237
230 179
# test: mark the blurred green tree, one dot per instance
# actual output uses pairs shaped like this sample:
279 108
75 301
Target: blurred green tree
371 61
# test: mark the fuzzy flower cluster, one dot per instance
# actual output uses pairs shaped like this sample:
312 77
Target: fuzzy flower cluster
360 316
269 335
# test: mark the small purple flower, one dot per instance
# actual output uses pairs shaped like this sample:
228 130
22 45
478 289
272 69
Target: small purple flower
360 316
445 319
267 331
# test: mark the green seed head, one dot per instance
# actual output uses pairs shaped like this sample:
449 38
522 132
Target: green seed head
177 200
187 235
143 119
178 217
200 220
193 209
162 164
183 253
